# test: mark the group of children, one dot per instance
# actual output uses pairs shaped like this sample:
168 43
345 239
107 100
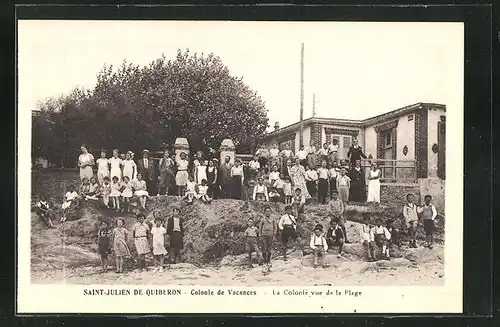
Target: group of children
373 236
147 240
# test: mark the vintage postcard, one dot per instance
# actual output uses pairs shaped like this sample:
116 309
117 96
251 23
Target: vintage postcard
240 167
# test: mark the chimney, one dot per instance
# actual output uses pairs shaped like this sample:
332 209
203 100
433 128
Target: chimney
276 125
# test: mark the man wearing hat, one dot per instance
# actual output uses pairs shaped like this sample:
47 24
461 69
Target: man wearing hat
149 171
319 246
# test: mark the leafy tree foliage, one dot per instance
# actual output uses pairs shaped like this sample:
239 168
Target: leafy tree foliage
132 108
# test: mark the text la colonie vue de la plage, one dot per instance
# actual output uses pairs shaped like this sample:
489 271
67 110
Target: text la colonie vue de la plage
219 292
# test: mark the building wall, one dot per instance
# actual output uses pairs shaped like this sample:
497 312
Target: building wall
406 137
433 117
370 141
306 138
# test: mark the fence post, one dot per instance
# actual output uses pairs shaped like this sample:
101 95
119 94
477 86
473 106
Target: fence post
227 149
181 145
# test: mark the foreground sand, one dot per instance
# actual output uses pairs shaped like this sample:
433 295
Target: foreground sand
293 272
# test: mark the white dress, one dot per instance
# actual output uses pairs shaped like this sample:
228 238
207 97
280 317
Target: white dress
116 169
374 187
201 173
129 169
159 240
102 169
87 160
191 188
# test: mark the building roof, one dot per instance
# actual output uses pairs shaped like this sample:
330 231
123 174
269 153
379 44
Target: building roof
358 123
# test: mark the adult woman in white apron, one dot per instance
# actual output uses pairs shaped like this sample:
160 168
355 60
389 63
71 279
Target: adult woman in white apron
374 184
85 162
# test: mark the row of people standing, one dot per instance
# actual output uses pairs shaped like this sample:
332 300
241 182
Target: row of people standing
308 155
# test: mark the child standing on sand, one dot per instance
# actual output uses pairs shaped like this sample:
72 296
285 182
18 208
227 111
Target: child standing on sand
251 244
159 234
267 231
288 227
140 232
319 245
429 214
175 229
104 244
120 247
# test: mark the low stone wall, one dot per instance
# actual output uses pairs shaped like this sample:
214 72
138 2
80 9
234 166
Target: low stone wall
395 193
435 187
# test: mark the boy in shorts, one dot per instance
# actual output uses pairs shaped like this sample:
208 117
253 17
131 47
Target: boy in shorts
288 227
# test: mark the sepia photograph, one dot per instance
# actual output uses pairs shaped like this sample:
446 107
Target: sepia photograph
243 155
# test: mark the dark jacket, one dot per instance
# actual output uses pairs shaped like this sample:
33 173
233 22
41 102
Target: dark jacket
150 174
170 226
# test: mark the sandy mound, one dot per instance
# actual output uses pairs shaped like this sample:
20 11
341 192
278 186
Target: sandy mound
214 233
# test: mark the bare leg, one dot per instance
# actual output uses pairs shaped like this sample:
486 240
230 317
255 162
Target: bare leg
117 264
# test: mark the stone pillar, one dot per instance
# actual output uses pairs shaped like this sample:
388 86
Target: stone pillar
227 149
181 145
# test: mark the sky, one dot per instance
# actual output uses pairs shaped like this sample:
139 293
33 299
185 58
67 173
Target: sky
355 70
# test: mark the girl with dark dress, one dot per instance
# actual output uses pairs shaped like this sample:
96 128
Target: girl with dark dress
357 189
104 244
175 230
237 179
211 173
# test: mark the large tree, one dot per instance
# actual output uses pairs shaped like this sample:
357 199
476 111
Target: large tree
132 108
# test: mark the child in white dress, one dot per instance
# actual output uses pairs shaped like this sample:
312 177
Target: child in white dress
116 165
129 167
102 167
127 193
190 190
70 198
287 190
115 193
201 172
202 192
159 234
105 191
141 190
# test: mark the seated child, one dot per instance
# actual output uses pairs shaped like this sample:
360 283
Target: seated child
94 189
85 189
105 191
335 236
274 175
394 231
287 190
274 196
140 190
366 236
251 242
203 192
45 211
381 237
190 193
70 200
319 245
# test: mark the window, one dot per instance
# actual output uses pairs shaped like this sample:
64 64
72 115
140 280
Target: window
388 138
